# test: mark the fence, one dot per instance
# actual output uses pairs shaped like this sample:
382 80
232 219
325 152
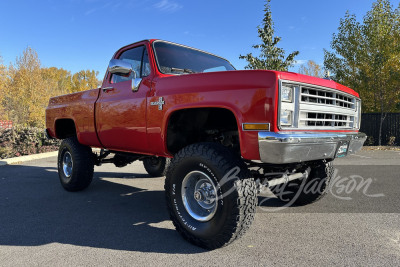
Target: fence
391 127
6 124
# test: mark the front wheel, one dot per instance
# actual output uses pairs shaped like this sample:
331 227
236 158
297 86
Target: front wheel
210 195
75 165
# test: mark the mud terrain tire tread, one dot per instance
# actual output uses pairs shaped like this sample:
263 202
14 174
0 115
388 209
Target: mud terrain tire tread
83 165
244 198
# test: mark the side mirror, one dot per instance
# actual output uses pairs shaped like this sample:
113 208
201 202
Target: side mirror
120 67
123 68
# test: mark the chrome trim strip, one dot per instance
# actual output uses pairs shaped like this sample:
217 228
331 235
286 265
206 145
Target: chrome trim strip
291 147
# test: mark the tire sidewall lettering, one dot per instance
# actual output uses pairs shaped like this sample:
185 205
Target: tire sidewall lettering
184 221
177 202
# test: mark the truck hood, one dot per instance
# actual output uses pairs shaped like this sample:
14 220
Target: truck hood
249 76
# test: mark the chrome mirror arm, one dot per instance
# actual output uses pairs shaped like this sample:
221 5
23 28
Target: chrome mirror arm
136 83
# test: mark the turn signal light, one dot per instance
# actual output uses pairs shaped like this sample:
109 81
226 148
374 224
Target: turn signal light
256 126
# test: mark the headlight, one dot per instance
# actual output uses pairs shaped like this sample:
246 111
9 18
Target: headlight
288 97
286 117
286 93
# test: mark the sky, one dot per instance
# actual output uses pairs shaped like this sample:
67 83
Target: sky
84 34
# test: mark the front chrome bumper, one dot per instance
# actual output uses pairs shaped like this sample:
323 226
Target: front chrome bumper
290 147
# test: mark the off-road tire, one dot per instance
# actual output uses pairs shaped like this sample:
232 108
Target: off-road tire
156 166
81 174
235 210
304 192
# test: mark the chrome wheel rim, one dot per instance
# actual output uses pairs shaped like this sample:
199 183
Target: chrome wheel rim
199 196
67 164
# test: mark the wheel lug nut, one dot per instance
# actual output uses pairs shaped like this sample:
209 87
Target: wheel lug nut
197 196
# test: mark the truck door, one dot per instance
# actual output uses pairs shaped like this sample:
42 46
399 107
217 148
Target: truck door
120 109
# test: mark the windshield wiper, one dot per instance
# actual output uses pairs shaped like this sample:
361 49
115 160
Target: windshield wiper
182 70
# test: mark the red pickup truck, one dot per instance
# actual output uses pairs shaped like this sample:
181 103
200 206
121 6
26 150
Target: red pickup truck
229 133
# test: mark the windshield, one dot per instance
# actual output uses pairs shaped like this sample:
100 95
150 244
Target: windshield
176 59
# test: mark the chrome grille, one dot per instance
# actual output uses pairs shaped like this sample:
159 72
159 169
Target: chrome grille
319 108
320 96
314 119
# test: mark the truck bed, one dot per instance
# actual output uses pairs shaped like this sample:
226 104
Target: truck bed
78 107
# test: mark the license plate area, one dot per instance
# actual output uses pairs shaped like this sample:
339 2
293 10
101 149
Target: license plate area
342 149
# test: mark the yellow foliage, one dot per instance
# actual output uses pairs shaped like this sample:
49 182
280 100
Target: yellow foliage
3 77
84 80
26 95
311 69
58 81
25 88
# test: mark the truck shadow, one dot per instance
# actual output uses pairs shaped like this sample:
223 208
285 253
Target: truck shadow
35 211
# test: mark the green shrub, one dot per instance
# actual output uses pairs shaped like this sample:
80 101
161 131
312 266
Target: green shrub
20 141
392 141
370 141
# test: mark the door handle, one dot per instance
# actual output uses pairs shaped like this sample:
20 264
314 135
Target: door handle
106 89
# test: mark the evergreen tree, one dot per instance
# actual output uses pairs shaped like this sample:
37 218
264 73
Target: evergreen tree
271 57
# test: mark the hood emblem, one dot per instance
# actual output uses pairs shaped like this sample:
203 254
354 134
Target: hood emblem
158 103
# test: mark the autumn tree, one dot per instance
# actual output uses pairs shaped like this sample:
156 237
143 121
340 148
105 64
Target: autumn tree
25 88
25 97
271 57
311 68
85 80
57 81
366 57
3 77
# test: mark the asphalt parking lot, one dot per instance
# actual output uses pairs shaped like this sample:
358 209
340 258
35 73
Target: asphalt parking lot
121 220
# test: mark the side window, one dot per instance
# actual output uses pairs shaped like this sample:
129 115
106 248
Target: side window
134 57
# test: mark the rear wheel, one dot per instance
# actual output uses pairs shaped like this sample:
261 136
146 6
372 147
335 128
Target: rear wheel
75 165
156 166
210 195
